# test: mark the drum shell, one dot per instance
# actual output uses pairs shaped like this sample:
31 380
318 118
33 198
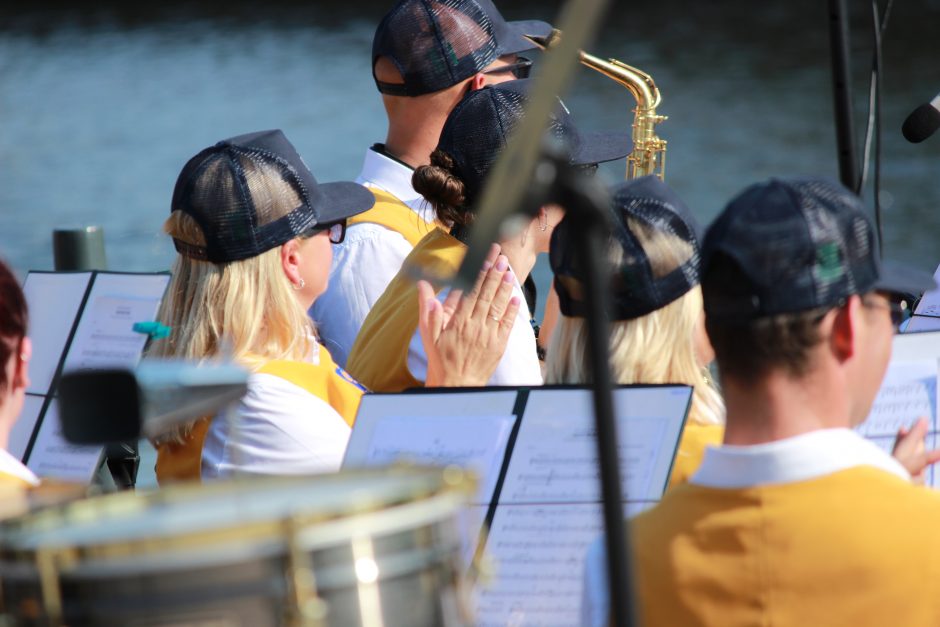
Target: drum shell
310 575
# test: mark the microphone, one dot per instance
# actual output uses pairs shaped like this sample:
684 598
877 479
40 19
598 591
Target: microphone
922 122
117 405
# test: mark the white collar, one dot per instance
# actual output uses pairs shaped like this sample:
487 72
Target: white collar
806 456
13 466
393 177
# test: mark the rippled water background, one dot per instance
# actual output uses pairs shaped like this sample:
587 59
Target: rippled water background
100 107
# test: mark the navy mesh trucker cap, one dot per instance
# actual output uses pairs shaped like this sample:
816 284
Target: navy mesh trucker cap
799 244
477 130
435 44
228 191
645 207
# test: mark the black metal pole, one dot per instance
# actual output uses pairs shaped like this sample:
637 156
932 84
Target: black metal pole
842 94
585 201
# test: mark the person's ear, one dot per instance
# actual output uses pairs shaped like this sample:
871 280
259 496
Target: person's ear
290 261
21 373
478 81
841 326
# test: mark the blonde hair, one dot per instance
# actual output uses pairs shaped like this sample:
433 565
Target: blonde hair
246 308
656 348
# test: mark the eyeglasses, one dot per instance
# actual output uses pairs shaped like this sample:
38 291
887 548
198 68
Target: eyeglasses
520 69
899 310
336 231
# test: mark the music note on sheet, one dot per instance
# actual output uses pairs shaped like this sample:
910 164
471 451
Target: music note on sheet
539 553
554 459
909 390
477 443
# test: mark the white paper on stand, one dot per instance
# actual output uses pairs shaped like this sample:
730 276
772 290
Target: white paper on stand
549 508
929 304
477 443
53 457
54 301
908 391
105 337
23 427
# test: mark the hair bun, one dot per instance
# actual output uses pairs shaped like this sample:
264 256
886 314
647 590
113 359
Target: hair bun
440 186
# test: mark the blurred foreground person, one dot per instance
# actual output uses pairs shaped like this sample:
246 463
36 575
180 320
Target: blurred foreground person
796 520
426 55
473 137
657 333
15 351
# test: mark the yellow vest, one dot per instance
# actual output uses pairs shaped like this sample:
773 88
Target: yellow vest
394 215
695 438
379 356
857 548
181 461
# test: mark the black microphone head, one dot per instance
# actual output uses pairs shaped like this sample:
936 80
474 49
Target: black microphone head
99 406
921 123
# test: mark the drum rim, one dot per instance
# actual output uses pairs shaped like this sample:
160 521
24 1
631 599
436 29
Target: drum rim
432 486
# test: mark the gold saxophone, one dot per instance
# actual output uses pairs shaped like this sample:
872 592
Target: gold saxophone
649 151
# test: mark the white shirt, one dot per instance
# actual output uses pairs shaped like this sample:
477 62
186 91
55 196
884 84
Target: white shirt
12 466
367 260
277 428
800 458
519 364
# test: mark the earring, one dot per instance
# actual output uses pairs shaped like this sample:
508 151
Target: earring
300 286
543 225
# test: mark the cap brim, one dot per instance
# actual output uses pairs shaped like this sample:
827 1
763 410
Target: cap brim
515 36
899 278
342 200
599 147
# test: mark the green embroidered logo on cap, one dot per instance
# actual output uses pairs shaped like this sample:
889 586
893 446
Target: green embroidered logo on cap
828 262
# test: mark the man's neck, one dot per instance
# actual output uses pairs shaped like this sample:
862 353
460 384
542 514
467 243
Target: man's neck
780 406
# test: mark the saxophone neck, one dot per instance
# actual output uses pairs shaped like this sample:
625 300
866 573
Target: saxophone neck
639 83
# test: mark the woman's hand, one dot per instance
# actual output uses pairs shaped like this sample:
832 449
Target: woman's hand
910 450
465 337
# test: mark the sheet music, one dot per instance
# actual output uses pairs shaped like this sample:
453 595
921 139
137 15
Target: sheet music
922 324
929 304
53 457
909 390
555 458
540 549
549 508
474 442
53 300
23 427
105 337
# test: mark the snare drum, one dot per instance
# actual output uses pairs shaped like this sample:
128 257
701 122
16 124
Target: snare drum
357 548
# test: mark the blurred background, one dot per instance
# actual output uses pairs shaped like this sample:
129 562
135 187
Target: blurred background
100 106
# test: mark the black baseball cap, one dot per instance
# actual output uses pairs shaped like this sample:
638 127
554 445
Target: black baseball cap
435 44
227 192
799 244
638 286
478 128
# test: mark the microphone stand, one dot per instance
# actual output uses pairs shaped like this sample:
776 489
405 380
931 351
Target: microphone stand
586 204
842 97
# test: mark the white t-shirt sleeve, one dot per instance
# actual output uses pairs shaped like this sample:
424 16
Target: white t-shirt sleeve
363 266
277 428
519 364
595 606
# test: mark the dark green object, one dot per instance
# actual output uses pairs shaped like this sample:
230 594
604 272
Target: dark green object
79 249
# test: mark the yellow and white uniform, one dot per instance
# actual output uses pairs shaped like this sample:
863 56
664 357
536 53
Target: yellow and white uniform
694 440
294 419
376 244
14 474
388 355
823 528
